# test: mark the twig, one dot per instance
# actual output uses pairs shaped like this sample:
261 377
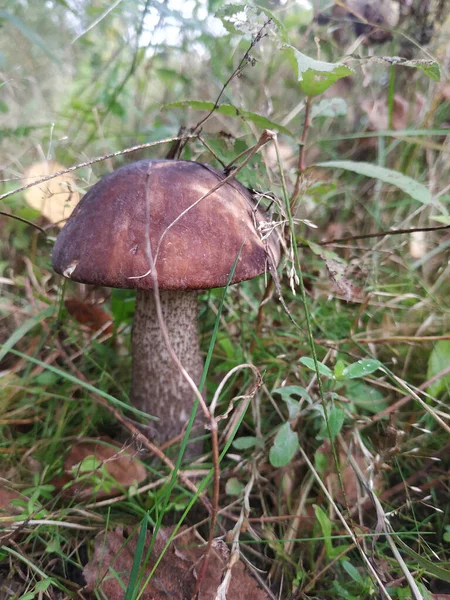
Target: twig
236 73
96 21
235 552
376 235
423 404
243 62
216 464
316 577
5 214
301 153
394 407
91 162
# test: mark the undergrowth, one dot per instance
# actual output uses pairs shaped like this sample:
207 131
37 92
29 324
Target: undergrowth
335 466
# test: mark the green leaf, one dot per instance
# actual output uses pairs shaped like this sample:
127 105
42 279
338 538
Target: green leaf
362 368
338 369
446 536
429 566
284 447
44 584
234 487
403 182
230 111
321 462
88 464
364 396
245 442
289 394
343 592
123 305
429 67
439 360
315 76
323 369
336 418
329 107
444 219
353 572
46 378
325 525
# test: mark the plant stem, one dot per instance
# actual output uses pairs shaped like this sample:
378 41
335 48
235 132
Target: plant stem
302 152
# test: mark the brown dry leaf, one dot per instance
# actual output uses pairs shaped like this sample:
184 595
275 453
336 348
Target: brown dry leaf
6 497
176 574
114 554
55 198
337 271
242 585
120 464
91 315
348 476
341 276
403 112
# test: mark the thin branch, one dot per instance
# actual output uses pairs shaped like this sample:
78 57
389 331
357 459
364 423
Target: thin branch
5 214
394 407
91 162
236 73
97 21
376 235
301 153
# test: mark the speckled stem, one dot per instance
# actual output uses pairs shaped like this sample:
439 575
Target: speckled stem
158 387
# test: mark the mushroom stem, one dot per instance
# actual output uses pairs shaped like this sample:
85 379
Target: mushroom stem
158 388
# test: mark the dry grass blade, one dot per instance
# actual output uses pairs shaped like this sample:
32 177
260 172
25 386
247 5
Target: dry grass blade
341 517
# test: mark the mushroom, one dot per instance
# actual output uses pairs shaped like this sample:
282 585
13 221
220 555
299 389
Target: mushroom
195 237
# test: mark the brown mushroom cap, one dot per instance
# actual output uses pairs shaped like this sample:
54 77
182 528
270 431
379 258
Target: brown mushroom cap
104 240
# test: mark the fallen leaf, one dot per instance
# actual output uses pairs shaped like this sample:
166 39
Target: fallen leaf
176 574
242 585
91 315
56 198
93 468
113 559
340 275
403 112
348 475
7 509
